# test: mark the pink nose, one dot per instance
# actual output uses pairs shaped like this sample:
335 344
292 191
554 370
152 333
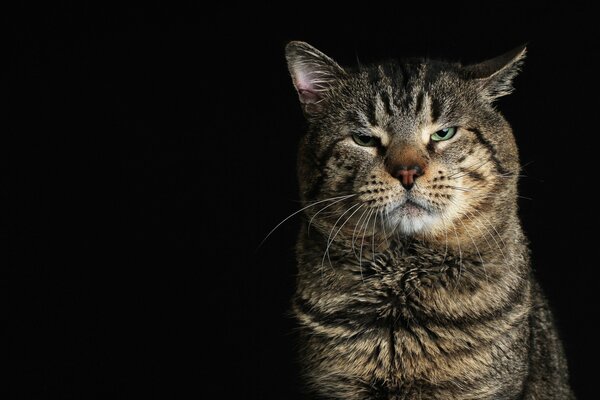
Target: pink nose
407 175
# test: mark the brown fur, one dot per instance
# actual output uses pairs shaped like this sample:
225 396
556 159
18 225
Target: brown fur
433 300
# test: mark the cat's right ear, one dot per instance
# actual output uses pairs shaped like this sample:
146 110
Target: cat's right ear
313 74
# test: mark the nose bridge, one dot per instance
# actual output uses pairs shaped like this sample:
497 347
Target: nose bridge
406 162
406 153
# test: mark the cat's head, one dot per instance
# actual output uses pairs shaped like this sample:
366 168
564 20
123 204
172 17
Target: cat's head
411 147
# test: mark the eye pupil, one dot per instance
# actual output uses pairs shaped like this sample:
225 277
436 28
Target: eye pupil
365 140
443 134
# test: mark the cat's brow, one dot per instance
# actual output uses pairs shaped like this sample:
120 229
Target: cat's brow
382 134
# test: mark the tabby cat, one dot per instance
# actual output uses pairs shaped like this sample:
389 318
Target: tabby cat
414 280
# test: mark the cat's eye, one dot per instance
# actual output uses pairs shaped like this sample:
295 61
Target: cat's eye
444 134
365 140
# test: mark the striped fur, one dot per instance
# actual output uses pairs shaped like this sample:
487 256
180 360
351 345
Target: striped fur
433 301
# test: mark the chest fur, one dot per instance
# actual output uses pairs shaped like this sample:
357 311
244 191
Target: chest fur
400 321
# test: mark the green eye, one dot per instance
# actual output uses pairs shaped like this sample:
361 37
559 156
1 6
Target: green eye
443 134
365 140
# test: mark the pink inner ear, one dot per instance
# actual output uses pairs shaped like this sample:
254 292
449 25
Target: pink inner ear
308 97
307 91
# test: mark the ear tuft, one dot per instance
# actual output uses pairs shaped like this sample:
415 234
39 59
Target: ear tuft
496 75
312 72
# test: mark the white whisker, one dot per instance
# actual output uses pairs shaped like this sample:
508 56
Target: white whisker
331 239
493 227
362 242
383 228
373 235
354 232
299 211
468 169
327 206
475 219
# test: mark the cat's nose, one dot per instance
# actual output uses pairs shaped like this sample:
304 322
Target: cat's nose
407 175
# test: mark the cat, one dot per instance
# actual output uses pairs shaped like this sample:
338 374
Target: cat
414 277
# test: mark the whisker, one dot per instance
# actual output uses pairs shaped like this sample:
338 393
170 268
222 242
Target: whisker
484 196
524 197
354 231
362 243
330 239
383 228
477 224
488 231
492 226
468 169
327 206
527 164
465 171
462 189
480 231
509 175
373 235
299 211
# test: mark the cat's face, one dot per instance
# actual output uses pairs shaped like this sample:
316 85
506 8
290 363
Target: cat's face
416 147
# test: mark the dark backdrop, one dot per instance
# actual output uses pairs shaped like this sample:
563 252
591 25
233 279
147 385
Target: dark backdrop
155 148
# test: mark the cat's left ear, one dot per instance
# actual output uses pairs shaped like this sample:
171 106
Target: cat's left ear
495 76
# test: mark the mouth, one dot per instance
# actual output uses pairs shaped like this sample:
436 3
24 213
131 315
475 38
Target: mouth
412 216
412 208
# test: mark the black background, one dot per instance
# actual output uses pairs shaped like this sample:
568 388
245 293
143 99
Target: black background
155 148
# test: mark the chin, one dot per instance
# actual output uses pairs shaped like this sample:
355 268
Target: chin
412 218
410 225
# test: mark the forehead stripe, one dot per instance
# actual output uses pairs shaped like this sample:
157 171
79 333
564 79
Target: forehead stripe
419 103
371 113
436 109
385 98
